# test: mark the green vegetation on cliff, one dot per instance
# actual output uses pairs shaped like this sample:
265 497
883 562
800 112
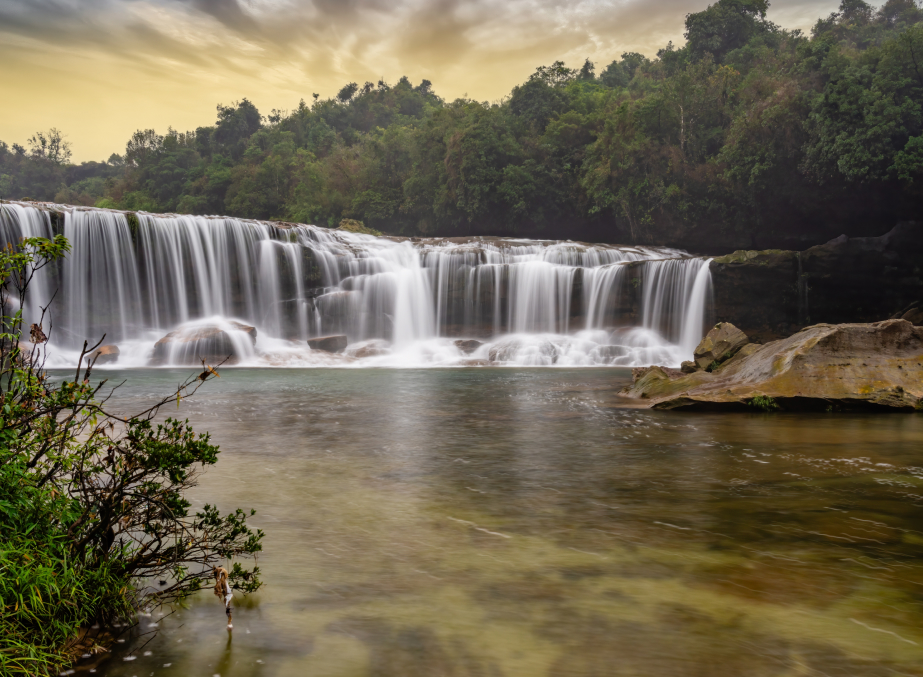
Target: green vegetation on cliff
747 137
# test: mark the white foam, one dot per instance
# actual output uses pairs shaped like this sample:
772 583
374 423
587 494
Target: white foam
539 303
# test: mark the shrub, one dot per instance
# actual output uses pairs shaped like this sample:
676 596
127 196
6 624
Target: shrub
765 403
93 513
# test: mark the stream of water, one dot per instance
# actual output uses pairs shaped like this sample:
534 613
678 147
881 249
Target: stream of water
169 289
526 522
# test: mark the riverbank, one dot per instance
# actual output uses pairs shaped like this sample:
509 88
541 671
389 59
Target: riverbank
823 367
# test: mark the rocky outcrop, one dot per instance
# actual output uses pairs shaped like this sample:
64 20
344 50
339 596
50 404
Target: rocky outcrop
823 366
913 313
105 355
354 226
228 343
914 317
773 293
719 345
328 344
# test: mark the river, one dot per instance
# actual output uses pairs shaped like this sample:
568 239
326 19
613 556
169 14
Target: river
525 522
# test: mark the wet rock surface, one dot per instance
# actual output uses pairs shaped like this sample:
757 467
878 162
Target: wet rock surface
105 355
773 293
371 348
468 346
212 343
329 344
876 365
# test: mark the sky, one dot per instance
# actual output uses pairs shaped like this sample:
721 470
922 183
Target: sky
100 69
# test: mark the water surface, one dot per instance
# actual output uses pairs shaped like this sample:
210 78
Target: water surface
490 522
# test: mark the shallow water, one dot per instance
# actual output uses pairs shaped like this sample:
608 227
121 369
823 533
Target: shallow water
523 522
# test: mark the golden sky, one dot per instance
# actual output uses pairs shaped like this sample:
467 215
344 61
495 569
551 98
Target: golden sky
100 69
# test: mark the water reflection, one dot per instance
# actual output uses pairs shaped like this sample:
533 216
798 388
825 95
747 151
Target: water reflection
497 522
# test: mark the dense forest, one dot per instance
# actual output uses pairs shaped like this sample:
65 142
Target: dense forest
748 136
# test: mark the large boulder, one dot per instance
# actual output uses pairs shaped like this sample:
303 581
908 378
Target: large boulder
227 342
468 346
329 344
823 366
914 316
105 355
719 345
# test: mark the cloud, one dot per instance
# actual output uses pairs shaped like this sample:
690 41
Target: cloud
102 68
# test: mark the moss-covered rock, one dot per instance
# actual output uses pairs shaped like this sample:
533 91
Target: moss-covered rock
353 226
720 344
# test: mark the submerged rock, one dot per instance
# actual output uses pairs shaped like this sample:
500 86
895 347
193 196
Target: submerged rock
212 343
329 344
105 355
532 353
468 346
719 345
846 365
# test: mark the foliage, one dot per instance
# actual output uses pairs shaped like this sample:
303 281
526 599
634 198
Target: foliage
764 403
51 146
748 136
353 226
93 513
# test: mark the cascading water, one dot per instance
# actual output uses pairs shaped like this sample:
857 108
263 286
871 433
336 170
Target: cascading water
148 280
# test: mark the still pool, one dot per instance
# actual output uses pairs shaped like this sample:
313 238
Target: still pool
500 522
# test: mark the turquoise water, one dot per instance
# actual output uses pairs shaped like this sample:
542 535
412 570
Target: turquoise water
525 522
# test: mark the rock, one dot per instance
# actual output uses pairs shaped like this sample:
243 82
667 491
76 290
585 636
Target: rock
771 294
370 351
468 346
105 355
748 349
371 348
353 226
914 316
719 345
688 367
844 366
524 352
656 372
611 352
329 344
213 343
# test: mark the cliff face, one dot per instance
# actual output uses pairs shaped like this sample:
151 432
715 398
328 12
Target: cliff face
773 293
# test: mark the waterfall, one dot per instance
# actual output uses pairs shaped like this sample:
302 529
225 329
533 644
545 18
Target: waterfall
263 289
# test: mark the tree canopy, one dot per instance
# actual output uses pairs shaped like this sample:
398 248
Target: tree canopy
749 135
